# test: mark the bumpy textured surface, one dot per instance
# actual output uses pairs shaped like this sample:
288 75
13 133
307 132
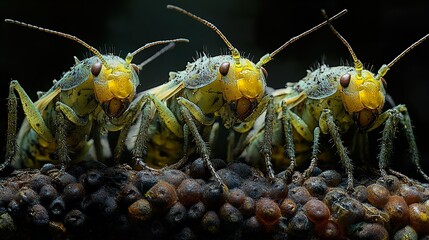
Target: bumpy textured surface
118 202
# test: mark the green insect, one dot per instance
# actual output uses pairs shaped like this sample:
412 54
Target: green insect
96 96
329 102
226 88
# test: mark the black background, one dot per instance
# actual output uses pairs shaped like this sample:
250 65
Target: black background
377 30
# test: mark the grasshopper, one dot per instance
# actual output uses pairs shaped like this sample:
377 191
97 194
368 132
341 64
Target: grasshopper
96 96
227 88
330 101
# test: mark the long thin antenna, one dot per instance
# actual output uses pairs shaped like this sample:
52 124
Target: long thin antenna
234 51
156 55
407 50
130 56
383 70
265 59
74 38
358 64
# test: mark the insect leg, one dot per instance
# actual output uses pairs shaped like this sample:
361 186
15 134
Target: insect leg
145 101
201 144
266 150
140 147
327 124
60 136
289 143
391 118
315 151
406 122
126 120
120 144
11 145
32 114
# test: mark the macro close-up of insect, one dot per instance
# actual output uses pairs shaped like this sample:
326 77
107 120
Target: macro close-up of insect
96 96
228 87
333 101
201 133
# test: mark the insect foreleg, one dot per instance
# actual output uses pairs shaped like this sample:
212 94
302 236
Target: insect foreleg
391 118
126 120
327 124
140 147
266 150
201 144
406 122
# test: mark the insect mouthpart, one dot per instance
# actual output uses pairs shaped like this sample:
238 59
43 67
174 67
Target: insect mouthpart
115 107
365 118
243 107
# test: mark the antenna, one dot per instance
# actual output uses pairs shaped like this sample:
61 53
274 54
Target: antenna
268 57
357 62
156 55
383 70
234 51
130 56
74 38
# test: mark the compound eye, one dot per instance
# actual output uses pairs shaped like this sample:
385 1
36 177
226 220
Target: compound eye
96 69
264 71
136 68
345 80
224 68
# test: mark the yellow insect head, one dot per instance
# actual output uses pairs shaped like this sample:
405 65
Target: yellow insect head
114 86
363 96
243 86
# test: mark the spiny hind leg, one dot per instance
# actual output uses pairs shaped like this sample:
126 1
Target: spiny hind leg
33 116
11 144
391 118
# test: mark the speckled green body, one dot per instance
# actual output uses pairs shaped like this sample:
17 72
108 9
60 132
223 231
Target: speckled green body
321 91
76 90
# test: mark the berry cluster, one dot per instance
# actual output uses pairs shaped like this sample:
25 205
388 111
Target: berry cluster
118 202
